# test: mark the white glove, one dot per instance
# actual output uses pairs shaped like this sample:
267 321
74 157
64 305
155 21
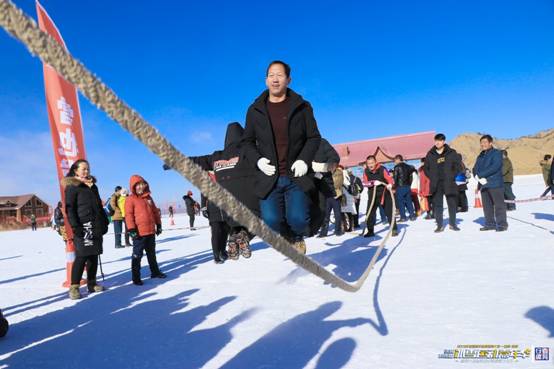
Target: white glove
318 175
320 167
389 186
268 169
377 183
483 181
299 168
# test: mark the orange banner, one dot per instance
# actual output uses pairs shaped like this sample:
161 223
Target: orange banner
64 116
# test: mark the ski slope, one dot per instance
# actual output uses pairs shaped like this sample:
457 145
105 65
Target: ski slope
428 293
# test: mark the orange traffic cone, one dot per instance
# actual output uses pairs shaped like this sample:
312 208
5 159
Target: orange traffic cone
478 203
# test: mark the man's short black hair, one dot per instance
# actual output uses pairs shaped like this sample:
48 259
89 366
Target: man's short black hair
371 157
440 137
486 137
399 157
285 65
117 188
547 157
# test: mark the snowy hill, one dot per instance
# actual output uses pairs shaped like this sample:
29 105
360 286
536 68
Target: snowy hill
428 293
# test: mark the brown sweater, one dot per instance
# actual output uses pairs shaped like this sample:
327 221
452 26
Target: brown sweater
279 117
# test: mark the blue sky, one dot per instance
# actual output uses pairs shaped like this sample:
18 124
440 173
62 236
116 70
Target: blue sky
370 69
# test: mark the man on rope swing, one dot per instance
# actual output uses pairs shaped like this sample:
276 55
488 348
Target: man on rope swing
282 137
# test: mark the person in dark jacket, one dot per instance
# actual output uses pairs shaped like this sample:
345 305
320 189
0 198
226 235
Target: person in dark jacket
488 172
281 137
508 177
442 164
234 172
376 178
89 223
403 176
191 206
325 163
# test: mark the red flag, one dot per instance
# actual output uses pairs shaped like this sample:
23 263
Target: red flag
64 116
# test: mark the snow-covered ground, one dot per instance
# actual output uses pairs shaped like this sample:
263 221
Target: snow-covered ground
428 293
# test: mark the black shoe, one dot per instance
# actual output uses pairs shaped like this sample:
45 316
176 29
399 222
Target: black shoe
119 246
502 229
487 228
128 245
159 275
454 227
402 220
339 233
413 218
428 217
218 261
321 235
439 229
138 282
369 234
223 256
394 233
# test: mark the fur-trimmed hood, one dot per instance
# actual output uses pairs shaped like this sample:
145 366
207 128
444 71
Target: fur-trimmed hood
74 181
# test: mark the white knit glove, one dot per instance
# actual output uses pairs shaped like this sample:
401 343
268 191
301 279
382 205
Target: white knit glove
268 169
320 167
377 183
483 181
299 168
389 186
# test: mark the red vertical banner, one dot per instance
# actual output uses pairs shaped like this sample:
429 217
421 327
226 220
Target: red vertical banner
64 116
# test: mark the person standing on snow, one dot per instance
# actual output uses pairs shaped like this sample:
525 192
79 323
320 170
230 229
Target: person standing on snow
144 224
348 207
546 166
117 217
376 178
425 192
442 164
325 163
59 221
402 175
508 177
488 172
121 206
461 181
191 206
282 137
89 223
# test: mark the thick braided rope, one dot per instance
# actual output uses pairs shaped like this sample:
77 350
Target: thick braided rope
23 28
534 199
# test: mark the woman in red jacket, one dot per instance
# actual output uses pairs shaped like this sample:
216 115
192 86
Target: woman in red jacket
425 191
144 224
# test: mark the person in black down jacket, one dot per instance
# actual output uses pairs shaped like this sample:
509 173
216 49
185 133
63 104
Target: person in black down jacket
191 205
234 172
442 164
402 175
281 137
89 223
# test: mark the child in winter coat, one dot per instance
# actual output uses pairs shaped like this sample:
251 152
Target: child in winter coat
144 224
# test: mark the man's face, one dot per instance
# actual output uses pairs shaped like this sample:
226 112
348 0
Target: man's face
397 161
371 163
485 144
277 80
439 144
